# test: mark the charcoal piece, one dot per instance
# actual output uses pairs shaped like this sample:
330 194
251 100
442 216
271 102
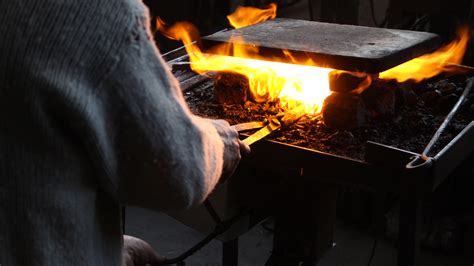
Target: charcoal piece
384 104
446 103
459 91
431 97
343 81
231 88
471 109
444 86
448 89
408 97
342 138
344 111
380 100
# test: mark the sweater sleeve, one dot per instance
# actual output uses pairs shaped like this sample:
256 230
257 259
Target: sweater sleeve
157 153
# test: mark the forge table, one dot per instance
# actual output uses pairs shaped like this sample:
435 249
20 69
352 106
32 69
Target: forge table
298 186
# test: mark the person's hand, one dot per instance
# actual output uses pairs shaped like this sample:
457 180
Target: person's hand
233 147
137 252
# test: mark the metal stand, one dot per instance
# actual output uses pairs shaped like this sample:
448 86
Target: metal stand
123 213
410 227
304 228
411 201
230 253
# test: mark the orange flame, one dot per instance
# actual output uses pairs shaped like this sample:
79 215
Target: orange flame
246 16
294 85
302 83
430 65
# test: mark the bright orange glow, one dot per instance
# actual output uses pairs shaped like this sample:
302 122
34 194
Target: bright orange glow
245 16
295 82
430 65
294 85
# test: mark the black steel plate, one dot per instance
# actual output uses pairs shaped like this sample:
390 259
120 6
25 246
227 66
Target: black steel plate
345 47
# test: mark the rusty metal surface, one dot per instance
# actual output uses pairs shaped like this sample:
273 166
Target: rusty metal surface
346 47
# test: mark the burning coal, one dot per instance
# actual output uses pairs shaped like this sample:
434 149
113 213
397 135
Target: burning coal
294 85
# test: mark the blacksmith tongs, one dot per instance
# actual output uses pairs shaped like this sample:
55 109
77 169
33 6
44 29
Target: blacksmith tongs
270 125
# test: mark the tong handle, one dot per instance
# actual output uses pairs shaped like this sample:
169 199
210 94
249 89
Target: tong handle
248 126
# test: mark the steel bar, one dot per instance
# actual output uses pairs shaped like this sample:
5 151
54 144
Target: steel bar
343 47
465 68
185 65
180 54
412 192
180 66
193 82
387 156
230 253
184 59
184 75
409 224
175 55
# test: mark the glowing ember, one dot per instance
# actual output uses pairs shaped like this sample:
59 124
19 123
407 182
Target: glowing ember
430 65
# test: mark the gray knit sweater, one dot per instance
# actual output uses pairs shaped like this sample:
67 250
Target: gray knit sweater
90 118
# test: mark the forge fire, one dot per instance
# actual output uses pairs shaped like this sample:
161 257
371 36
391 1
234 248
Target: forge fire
331 105
295 81
342 108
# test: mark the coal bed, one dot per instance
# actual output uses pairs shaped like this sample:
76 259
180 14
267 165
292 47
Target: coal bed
418 111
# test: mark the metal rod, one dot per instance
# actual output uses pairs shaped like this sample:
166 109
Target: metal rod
185 64
448 119
183 58
193 82
180 66
461 67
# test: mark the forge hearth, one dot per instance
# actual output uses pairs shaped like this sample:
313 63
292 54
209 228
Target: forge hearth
407 126
402 115
354 56
301 167
375 141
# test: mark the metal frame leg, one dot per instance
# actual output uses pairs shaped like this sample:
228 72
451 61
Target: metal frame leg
123 213
230 253
304 226
410 227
